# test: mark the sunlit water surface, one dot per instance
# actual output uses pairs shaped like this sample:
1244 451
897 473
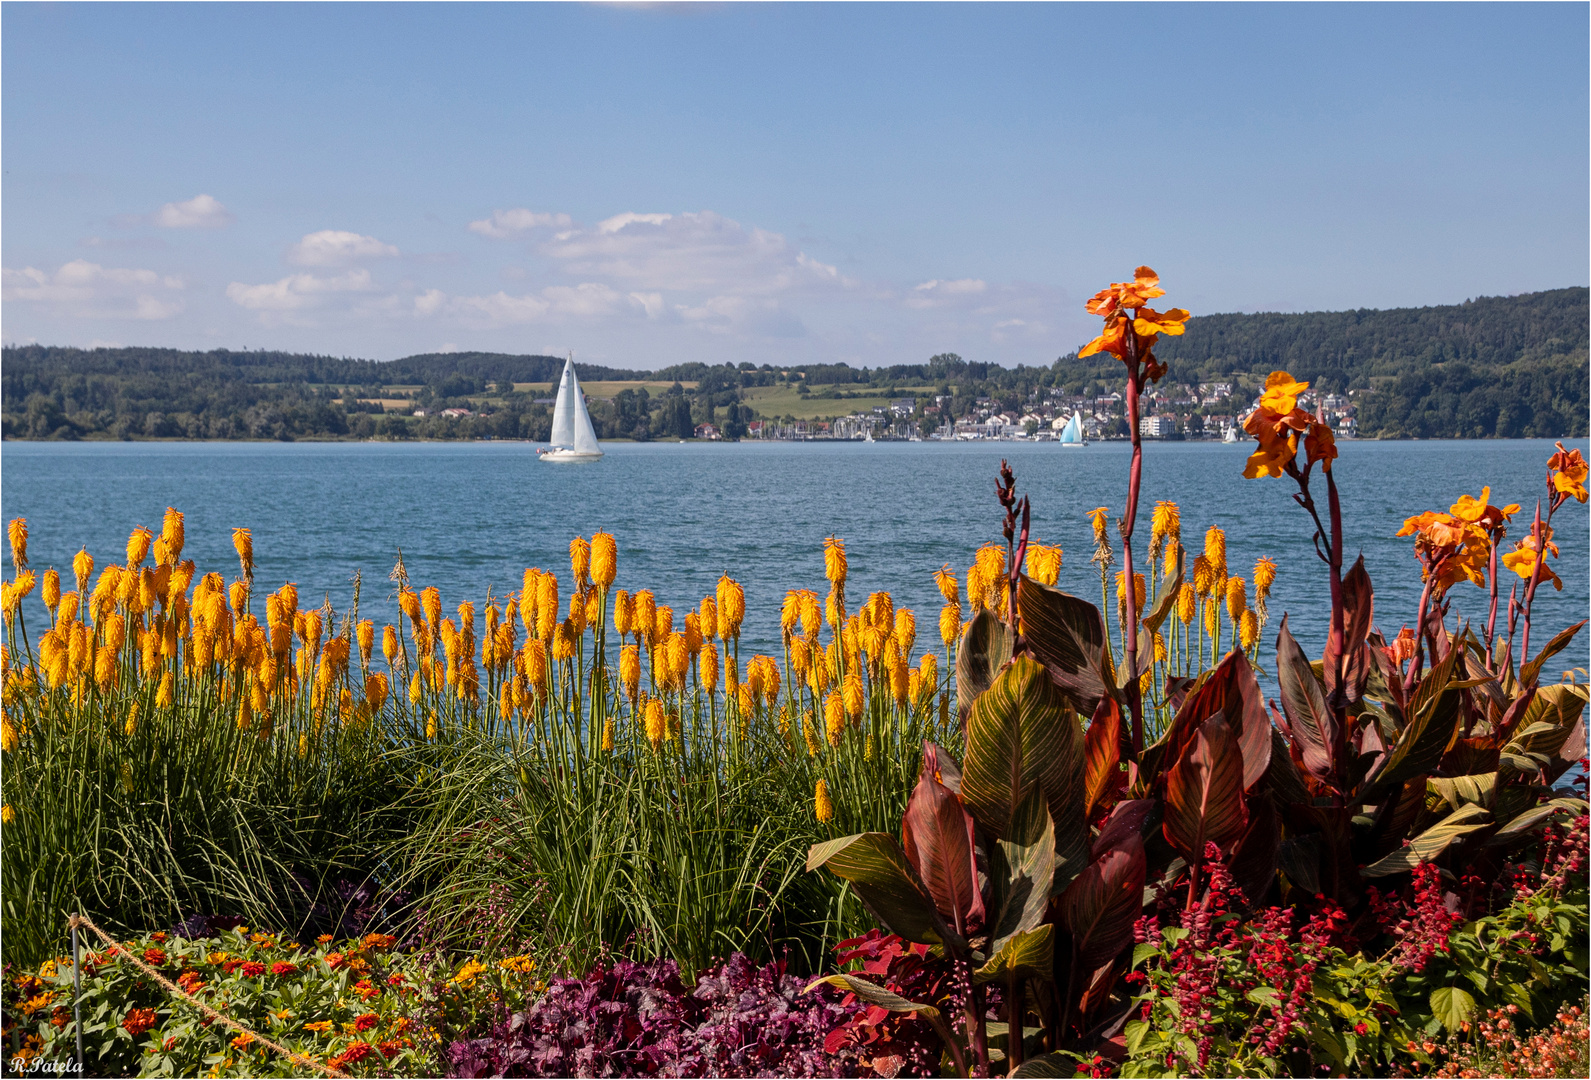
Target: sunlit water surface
472 516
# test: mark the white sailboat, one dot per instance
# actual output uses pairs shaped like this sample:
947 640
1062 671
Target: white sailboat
573 438
1072 433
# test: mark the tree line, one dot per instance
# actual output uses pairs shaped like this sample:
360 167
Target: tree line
1490 367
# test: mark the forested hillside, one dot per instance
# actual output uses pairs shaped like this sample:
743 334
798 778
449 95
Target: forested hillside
1495 366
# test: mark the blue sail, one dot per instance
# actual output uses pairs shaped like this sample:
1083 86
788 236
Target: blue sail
1073 431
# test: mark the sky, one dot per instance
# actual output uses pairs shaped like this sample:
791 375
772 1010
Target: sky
646 185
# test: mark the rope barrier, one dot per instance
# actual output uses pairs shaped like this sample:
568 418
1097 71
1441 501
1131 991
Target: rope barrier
74 921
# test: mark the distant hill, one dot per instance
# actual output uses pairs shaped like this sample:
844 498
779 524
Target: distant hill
1494 366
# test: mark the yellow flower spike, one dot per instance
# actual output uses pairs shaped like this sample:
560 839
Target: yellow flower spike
243 544
1166 524
604 559
593 608
707 668
835 566
929 666
789 614
1249 630
389 644
366 633
644 617
1264 577
800 658
138 547
430 732
245 714
1236 599
580 561
707 617
1215 552
656 723
1203 575
82 568
950 623
745 701
977 588
731 607
811 614
834 611
607 729
9 741
623 613
547 606
855 696
167 692
905 630
416 689
1168 569
1211 616
822 806
1097 517
1187 600
945 579
172 533
1044 564
834 717
662 624
630 671
17 531
50 593
130 726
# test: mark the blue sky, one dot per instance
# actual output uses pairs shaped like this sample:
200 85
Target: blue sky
648 185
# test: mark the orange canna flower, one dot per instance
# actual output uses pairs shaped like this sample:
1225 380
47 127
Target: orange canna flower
1569 471
1522 560
1113 304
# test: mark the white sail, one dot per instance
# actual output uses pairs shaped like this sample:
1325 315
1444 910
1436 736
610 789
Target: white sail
1072 433
585 437
563 411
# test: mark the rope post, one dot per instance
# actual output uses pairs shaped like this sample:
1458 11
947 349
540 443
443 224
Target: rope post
77 993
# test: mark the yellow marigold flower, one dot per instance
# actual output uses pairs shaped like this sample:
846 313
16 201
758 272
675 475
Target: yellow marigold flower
1097 517
1264 577
945 578
7 815
1044 563
604 559
949 623
82 568
822 806
8 735
51 592
1249 630
17 530
1186 602
630 671
1166 523
580 560
855 695
835 566
1236 598
834 717
167 691
656 723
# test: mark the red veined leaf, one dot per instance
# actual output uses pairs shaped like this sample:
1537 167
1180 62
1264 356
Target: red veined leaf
1312 725
1204 793
1358 601
1128 819
936 833
1067 635
1102 754
1100 906
1231 690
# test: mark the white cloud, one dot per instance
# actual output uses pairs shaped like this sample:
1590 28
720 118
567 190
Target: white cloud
505 223
743 315
199 212
296 292
691 252
590 303
93 291
936 293
334 247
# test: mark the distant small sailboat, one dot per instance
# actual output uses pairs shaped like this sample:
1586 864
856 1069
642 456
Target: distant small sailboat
1229 435
1072 433
573 438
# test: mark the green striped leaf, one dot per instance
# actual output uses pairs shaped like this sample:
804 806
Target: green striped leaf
883 878
1067 634
985 647
1028 955
1432 842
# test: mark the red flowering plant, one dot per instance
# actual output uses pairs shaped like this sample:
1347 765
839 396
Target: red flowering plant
306 998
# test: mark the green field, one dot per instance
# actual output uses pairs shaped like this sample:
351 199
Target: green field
605 389
776 401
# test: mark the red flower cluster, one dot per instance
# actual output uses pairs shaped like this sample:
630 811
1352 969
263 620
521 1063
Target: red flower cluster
155 955
139 1021
1421 924
253 968
366 1022
282 967
356 1052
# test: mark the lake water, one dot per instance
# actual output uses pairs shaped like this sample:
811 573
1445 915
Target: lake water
473 516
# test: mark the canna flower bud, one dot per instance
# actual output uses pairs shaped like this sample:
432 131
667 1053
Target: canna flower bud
821 804
51 592
580 561
137 547
82 568
835 567
604 559
949 623
17 530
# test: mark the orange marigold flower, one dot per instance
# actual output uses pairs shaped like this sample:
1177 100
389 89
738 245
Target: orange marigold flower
335 960
378 941
323 939
139 1021
366 1021
155 955
241 1042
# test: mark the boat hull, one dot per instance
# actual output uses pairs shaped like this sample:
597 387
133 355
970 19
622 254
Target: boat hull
567 455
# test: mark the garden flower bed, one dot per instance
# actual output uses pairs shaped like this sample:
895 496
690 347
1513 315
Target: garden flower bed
521 837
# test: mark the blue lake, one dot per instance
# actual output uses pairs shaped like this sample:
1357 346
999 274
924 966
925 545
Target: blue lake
473 516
